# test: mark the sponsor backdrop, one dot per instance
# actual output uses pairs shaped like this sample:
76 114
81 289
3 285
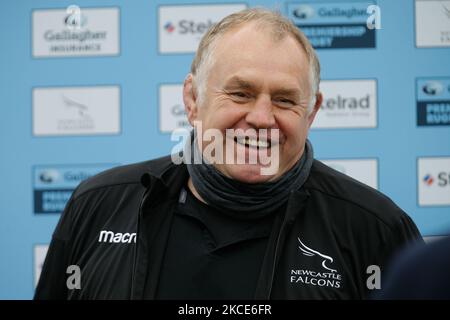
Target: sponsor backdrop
88 85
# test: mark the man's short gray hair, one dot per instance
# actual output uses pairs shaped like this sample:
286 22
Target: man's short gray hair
279 28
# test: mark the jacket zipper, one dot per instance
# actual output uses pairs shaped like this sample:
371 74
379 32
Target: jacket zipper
144 197
272 274
288 219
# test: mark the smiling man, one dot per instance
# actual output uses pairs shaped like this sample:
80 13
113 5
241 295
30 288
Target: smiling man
252 81
224 227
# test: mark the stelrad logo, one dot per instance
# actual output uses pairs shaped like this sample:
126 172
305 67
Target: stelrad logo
434 181
181 27
428 180
169 27
347 104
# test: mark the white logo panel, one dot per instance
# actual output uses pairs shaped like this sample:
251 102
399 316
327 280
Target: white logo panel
363 170
432 23
40 251
60 111
171 108
76 31
347 104
434 181
181 27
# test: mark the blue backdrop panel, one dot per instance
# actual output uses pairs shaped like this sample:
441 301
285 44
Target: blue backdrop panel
389 55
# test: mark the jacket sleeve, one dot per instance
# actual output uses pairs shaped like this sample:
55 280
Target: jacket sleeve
406 232
403 235
52 282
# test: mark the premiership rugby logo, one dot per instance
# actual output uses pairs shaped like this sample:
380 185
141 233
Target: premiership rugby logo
327 276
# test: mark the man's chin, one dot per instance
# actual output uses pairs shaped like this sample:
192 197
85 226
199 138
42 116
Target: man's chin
247 173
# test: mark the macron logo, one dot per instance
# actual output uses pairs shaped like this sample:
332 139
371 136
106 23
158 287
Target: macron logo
111 237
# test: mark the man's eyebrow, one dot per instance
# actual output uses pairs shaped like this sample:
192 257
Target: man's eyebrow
287 92
239 83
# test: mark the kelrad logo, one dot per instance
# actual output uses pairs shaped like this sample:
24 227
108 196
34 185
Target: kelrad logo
428 180
348 104
303 12
327 276
433 88
169 27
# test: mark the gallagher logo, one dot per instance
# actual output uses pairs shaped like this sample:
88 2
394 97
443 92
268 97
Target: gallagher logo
75 19
428 179
169 27
49 176
433 88
303 12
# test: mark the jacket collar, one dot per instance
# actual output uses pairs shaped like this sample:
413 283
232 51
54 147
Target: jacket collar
166 178
164 175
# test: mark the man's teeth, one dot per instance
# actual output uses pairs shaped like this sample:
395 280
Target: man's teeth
251 142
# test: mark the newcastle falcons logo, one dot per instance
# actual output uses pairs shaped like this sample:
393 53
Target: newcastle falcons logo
446 10
310 253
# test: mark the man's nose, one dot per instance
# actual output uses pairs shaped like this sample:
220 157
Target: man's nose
261 113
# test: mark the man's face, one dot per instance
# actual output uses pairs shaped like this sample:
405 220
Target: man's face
256 82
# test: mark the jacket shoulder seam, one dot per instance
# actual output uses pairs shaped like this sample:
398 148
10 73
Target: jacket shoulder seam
76 197
356 204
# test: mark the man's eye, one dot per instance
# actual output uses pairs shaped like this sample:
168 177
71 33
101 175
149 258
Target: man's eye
285 102
239 94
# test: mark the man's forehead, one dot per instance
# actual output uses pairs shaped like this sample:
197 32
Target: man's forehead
253 28
246 51
248 36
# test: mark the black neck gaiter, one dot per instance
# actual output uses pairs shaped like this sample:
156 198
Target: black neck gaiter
226 194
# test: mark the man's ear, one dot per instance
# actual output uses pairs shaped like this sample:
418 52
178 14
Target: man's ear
317 104
190 99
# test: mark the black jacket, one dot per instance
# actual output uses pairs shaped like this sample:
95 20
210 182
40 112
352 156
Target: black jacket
334 228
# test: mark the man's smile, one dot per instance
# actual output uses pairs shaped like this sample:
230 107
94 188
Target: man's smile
250 142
